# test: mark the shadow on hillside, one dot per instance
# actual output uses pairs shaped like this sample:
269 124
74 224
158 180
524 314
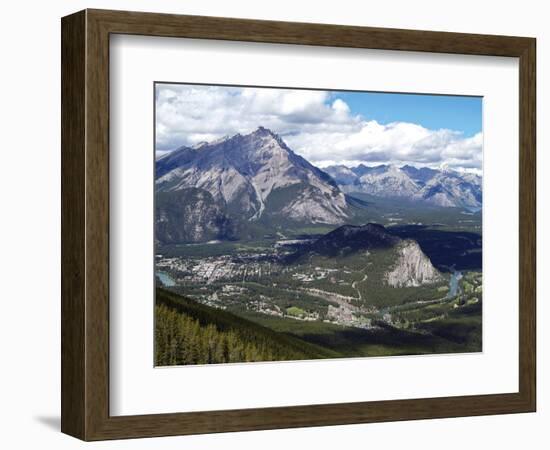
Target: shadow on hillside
458 249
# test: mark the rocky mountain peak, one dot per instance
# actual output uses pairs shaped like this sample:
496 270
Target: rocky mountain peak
261 131
253 175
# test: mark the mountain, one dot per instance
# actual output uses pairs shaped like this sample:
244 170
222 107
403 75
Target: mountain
445 188
342 175
390 181
381 181
347 176
350 239
451 189
244 178
419 175
398 262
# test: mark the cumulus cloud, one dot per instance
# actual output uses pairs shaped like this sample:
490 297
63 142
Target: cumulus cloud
315 124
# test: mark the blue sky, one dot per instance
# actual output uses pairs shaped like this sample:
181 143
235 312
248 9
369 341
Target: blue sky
460 113
328 127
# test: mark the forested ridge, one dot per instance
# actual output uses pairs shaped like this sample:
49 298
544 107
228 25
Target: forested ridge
187 332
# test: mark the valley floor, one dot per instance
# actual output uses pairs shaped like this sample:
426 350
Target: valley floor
452 330
447 321
336 307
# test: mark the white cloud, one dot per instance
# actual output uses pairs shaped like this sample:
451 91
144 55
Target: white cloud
313 123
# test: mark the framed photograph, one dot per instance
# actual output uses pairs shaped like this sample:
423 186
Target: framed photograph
272 225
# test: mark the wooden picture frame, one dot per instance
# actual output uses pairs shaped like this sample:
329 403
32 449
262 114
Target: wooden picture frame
85 224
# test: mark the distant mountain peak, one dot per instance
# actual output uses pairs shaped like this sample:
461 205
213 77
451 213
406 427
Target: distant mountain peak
446 188
394 168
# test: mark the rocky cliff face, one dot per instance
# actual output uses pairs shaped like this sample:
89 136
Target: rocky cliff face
413 268
190 215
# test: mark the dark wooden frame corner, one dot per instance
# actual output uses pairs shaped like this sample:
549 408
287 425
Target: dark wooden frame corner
85 224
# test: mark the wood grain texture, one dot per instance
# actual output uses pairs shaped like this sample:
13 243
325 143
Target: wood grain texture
73 226
201 27
527 224
85 224
97 225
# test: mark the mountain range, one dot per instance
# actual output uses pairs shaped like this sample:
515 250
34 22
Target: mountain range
226 188
445 188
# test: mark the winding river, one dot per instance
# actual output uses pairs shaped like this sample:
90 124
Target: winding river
454 289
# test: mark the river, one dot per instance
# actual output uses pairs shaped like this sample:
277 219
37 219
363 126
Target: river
454 289
453 283
165 279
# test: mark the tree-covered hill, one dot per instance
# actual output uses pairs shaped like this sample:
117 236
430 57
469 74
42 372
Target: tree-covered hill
187 332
